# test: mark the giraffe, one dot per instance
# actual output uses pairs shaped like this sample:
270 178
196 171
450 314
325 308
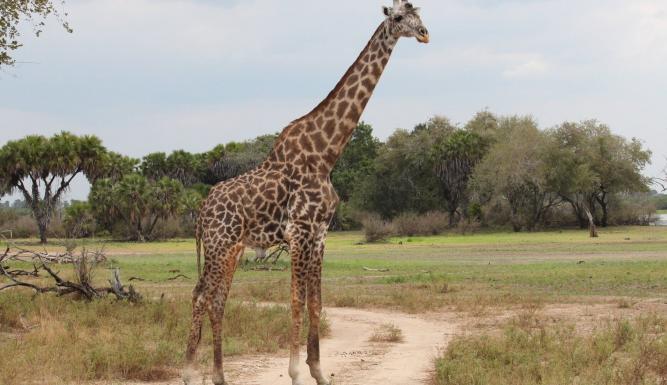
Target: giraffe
289 198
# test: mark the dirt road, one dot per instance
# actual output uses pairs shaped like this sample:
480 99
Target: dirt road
349 355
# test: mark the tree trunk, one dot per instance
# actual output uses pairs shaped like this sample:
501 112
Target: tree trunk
42 231
592 229
43 219
579 213
604 204
605 214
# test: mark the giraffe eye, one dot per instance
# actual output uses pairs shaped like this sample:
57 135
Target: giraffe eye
398 18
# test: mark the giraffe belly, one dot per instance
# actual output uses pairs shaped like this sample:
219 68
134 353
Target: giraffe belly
265 236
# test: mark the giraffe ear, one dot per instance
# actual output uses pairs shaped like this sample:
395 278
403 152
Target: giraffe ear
387 11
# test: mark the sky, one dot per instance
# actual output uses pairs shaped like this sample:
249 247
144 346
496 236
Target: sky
161 75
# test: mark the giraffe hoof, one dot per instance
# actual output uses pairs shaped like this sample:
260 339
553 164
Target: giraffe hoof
188 376
219 379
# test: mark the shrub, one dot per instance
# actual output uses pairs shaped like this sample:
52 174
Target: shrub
407 224
79 221
466 226
170 228
431 223
346 218
387 333
21 227
376 229
635 209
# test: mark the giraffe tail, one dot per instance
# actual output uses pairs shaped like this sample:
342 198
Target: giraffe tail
198 243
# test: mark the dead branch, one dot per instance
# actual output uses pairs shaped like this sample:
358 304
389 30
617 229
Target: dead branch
383 270
84 265
263 256
177 277
592 229
268 268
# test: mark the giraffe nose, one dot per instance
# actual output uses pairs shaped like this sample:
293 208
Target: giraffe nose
423 35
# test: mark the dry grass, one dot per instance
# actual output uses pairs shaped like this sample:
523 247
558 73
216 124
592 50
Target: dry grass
529 352
387 333
57 340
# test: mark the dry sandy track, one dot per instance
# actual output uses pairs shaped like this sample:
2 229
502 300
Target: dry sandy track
350 357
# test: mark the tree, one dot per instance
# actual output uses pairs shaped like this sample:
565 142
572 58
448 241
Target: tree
569 160
455 158
79 220
514 171
137 202
13 12
591 164
233 159
114 166
403 178
180 165
617 165
356 162
42 169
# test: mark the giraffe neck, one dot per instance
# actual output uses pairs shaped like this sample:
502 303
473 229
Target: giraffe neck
316 141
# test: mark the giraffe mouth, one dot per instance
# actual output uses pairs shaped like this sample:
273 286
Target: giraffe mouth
423 38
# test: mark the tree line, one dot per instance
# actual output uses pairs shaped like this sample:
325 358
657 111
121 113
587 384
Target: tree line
492 171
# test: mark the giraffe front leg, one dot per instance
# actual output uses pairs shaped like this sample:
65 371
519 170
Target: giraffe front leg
300 250
314 312
298 301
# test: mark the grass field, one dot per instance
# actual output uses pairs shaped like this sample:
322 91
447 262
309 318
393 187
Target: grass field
473 274
662 212
530 351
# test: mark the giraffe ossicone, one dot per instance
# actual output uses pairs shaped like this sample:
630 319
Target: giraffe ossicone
289 199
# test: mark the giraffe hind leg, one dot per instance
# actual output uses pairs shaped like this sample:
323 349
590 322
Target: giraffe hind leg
217 310
199 305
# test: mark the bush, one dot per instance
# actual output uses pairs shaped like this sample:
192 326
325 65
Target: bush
431 223
79 221
346 218
170 228
21 227
376 229
636 209
466 226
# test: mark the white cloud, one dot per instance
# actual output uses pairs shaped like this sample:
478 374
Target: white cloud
529 67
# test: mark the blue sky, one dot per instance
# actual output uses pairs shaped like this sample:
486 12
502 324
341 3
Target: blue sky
160 75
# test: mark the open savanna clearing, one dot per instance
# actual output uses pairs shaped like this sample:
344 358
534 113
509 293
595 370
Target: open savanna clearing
434 289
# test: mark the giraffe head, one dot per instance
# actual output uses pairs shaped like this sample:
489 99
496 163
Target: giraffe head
403 21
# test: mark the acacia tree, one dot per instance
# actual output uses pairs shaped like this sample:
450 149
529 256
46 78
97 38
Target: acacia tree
13 12
617 165
42 169
515 172
590 165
